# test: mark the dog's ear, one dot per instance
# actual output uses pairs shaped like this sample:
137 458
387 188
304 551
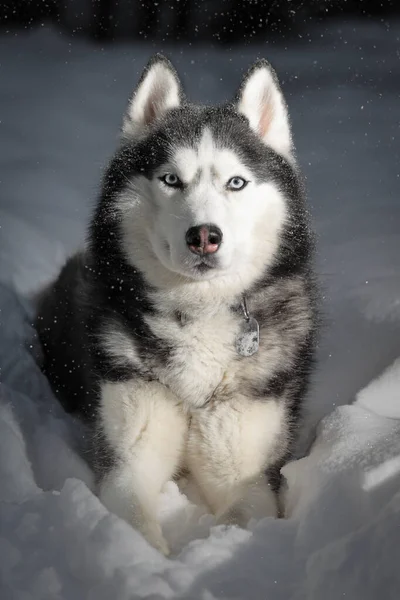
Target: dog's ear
158 90
261 100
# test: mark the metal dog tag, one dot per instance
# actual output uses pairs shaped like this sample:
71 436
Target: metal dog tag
248 340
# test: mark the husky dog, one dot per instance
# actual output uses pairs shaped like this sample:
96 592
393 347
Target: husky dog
185 330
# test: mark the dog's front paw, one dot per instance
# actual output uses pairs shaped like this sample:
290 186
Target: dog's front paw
153 534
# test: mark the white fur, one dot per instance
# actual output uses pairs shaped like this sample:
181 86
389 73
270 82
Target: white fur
202 353
230 445
154 238
263 104
226 446
146 429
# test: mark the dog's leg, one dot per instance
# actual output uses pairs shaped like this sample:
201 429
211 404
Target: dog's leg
146 430
230 446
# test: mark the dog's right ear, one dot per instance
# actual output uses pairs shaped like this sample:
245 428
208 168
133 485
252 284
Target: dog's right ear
159 90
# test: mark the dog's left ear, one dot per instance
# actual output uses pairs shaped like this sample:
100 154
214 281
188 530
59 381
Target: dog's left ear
261 100
158 90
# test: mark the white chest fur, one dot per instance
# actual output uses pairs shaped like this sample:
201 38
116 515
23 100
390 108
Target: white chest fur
203 351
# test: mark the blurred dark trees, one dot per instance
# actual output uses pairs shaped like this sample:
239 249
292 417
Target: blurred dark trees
225 21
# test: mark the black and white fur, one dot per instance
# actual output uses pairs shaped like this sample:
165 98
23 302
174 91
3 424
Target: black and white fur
140 333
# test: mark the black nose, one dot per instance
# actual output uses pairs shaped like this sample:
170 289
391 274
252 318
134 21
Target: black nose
204 239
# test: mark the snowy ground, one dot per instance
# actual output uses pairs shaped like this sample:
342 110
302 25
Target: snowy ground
60 107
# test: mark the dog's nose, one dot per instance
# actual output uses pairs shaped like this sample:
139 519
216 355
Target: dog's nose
204 239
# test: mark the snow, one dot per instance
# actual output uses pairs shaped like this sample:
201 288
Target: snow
60 106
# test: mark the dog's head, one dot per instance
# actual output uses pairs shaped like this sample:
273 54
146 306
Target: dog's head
204 192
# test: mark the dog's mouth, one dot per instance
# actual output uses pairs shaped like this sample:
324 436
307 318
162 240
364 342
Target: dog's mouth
205 264
203 267
200 267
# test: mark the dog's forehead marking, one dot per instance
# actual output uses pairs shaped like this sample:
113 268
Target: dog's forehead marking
206 157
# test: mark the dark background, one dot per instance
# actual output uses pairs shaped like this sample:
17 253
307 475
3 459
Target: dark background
219 21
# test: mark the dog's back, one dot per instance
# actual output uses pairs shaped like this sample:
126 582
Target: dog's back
60 327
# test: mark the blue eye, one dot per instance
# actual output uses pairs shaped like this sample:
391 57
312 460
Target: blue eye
171 180
236 183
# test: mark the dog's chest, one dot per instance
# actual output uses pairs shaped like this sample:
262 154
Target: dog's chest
202 355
